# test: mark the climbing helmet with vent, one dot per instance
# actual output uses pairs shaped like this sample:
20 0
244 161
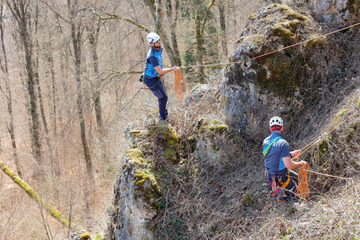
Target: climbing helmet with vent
276 121
152 37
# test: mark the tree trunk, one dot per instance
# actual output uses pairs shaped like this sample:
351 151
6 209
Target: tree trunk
199 42
173 25
76 40
50 61
200 21
222 18
19 11
39 92
5 69
93 40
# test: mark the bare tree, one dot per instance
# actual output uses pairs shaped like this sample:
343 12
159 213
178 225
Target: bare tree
5 69
37 52
200 21
222 18
20 11
173 15
50 74
94 32
77 29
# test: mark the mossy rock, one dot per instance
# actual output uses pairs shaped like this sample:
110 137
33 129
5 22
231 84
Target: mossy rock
187 146
140 133
136 157
167 137
218 127
211 126
165 132
134 153
84 235
191 139
143 175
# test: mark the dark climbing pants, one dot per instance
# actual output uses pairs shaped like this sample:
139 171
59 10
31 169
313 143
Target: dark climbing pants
157 88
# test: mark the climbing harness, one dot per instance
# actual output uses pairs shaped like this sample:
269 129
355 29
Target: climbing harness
277 183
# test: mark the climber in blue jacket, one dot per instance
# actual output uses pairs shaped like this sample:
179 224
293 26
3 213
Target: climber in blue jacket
154 70
278 161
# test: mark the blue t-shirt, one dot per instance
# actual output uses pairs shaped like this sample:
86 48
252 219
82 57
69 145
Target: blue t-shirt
273 159
153 59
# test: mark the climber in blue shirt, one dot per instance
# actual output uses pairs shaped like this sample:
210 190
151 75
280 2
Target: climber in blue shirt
278 162
154 70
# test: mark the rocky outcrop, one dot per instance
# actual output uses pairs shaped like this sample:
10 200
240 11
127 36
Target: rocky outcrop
138 187
143 176
210 136
254 89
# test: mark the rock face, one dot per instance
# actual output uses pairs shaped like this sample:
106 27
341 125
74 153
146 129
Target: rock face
137 186
336 12
210 136
254 90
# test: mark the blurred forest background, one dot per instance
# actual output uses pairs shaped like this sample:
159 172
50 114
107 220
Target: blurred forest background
69 86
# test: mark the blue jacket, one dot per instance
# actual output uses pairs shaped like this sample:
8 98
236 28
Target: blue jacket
150 71
279 149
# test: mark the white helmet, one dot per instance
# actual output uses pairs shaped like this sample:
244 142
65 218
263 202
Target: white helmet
276 121
152 37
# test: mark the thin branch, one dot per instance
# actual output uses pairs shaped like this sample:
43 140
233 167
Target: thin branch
113 16
67 21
